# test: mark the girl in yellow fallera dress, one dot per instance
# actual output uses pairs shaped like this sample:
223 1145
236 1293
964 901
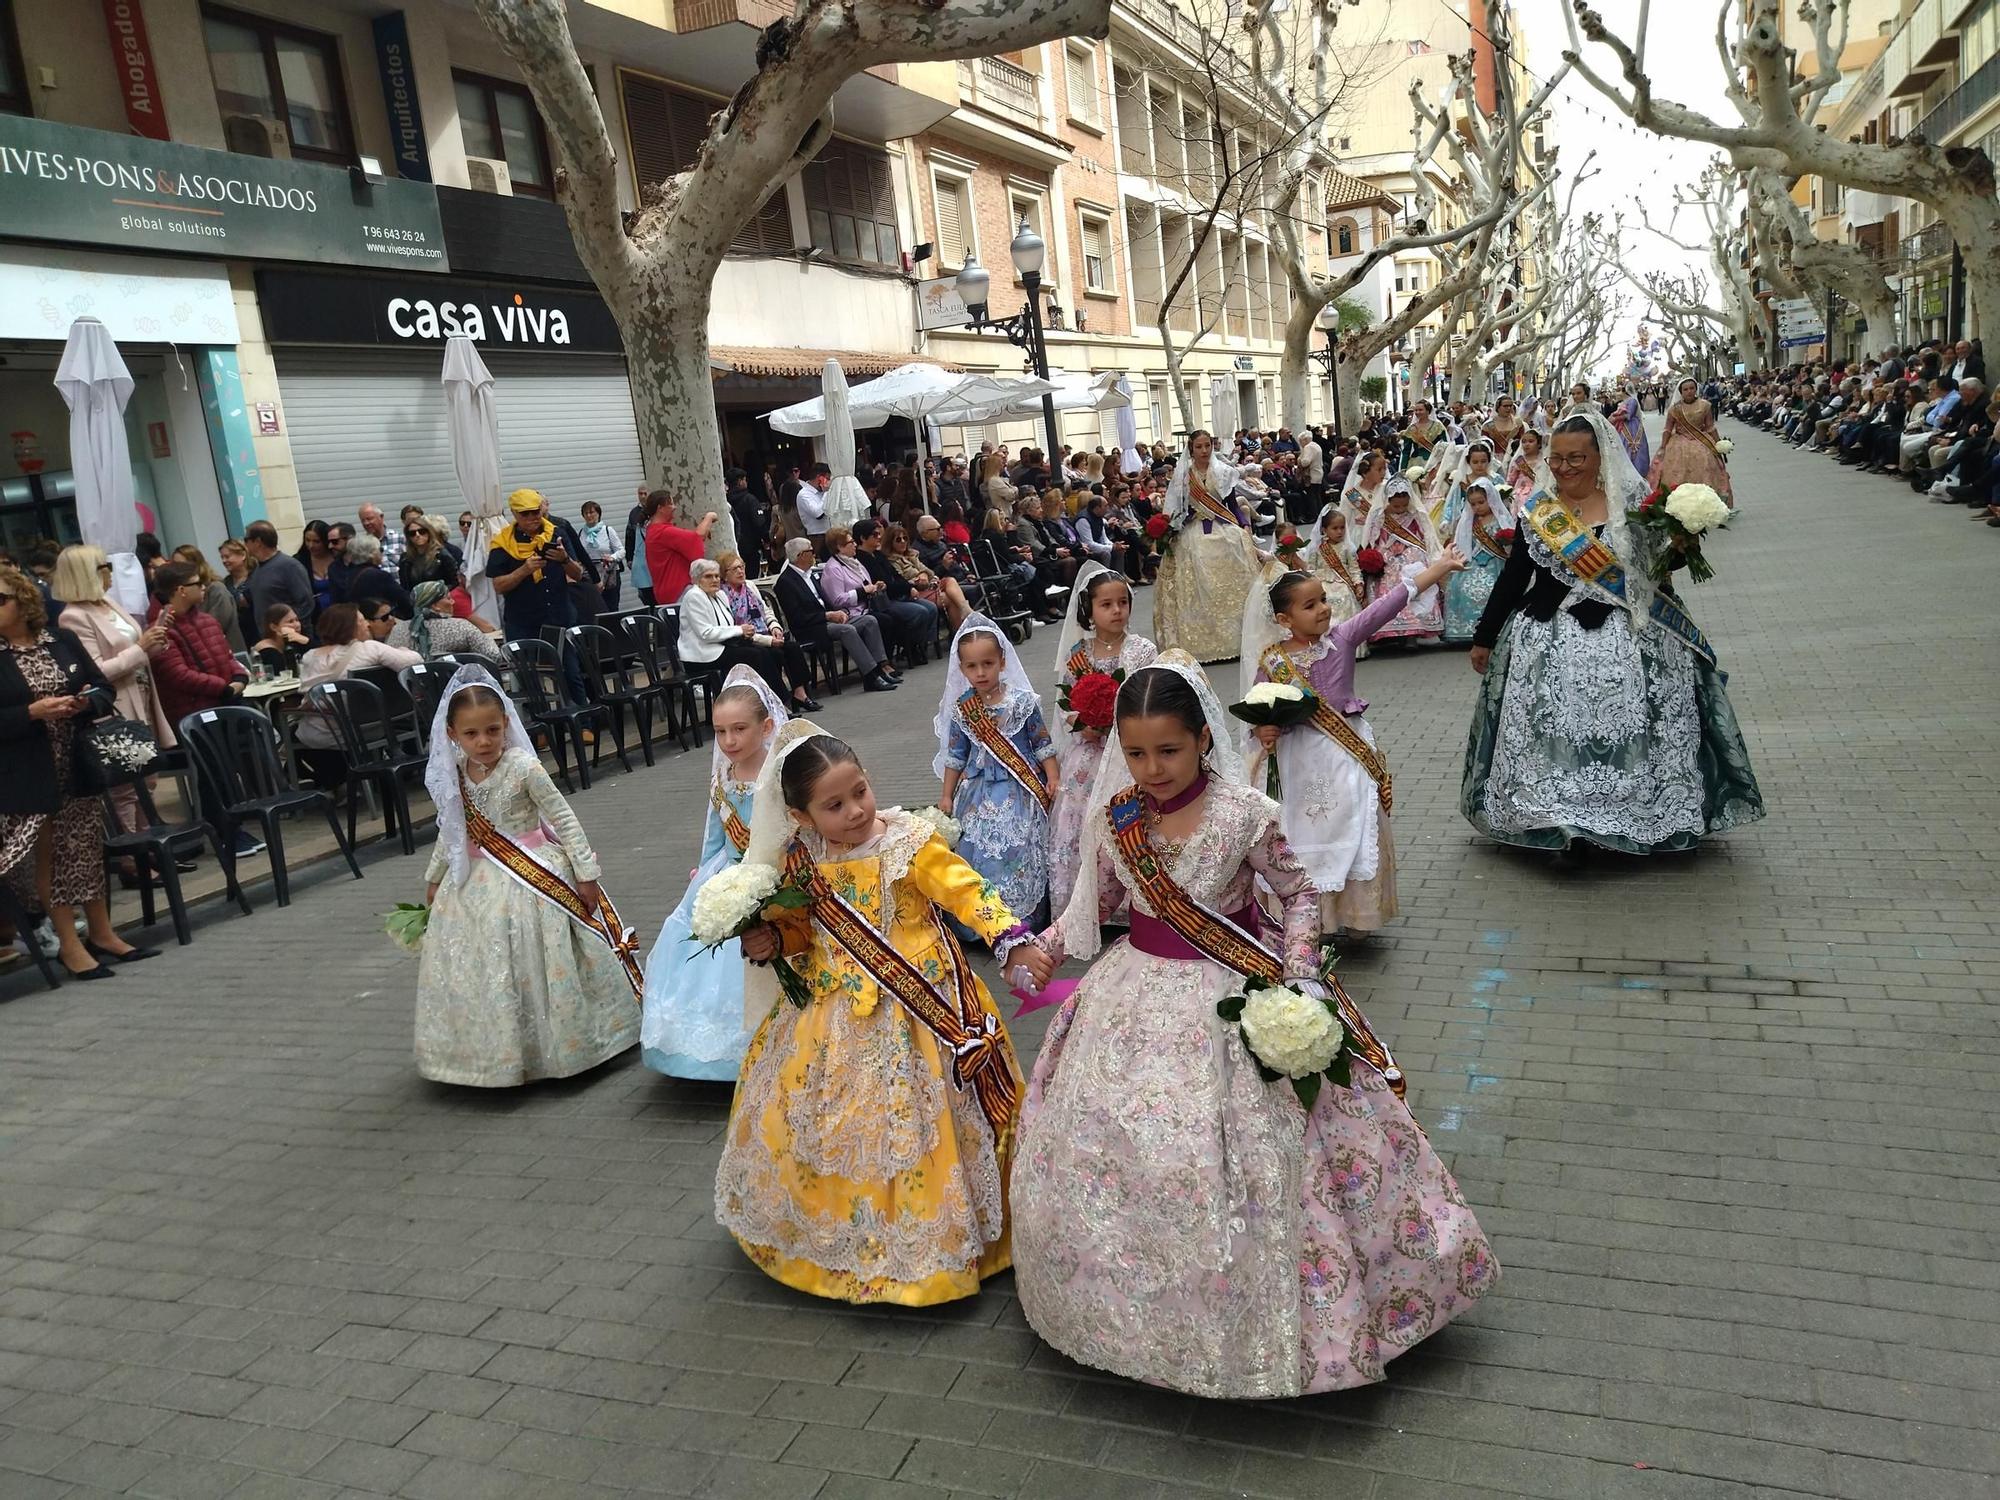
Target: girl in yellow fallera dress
869 1143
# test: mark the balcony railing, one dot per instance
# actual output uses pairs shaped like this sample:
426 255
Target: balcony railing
996 84
1928 243
1910 61
1963 102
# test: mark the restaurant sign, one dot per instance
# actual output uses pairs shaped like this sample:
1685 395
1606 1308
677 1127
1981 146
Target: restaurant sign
66 183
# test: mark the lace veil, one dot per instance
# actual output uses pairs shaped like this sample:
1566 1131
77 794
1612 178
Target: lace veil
1078 922
956 686
771 827
1503 514
743 676
1624 489
441 772
1222 477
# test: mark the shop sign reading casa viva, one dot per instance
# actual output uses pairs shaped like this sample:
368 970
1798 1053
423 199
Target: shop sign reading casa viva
78 186
332 307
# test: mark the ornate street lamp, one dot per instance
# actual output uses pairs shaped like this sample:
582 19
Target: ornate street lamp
1328 359
1024 329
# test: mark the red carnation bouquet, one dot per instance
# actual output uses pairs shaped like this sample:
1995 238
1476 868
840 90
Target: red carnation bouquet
1505 538
1092 700
1289 544
1371 562
1157 526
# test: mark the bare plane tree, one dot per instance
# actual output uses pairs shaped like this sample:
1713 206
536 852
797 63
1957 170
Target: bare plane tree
656 271
1777 92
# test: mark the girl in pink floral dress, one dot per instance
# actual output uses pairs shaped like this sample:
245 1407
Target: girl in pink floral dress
1177 1219
1100 604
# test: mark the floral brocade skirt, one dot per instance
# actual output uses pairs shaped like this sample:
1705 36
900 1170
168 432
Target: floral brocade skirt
1626 740
1180 1221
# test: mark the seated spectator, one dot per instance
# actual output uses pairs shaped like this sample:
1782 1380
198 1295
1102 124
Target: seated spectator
813 624
283 642
746 606
712 637
345 646
433 630
194 669
916 620
939 590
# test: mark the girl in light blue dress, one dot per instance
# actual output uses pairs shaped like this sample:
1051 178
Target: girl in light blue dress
692 1022
998 765
1482 527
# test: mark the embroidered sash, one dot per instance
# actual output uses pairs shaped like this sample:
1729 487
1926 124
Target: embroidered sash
1220 938
732 826
1579 550
1688 426
1412 534
603 923
965 1028
982 726
1329 554
1212 509
1485 539
1080 664
1279 668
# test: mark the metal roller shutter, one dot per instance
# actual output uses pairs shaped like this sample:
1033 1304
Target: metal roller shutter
368 425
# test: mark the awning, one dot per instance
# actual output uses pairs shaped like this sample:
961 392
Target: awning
799 364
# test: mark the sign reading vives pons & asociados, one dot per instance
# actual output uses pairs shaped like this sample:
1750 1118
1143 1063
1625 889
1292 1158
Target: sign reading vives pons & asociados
66 183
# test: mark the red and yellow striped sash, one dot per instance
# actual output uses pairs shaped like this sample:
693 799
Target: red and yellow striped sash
1080 664
602 923
732 826
1329 554
1200 499
982 726
969 1032
1278 667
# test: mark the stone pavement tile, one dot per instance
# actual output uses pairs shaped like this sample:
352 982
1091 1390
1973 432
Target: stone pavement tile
958 1466
459 1437
855 1487
743 1479
368 1466
383 1422
848 1450
282 1450
105 1465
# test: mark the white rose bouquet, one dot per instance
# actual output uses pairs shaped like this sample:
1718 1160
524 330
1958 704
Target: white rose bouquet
1278 704
1291 1035
1725 446
733 900
1678 521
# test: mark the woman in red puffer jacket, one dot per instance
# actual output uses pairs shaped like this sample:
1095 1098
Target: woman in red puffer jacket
194 668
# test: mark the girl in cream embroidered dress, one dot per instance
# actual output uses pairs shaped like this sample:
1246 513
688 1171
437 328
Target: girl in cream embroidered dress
510 989
1213 563
853 1167
1179 1220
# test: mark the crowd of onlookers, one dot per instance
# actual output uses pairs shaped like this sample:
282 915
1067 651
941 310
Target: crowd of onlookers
1921 416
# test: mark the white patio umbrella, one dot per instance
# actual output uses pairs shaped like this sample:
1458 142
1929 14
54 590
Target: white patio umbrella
913 391
1224 413
95 385
475 453
1128 430
846 501
1071 393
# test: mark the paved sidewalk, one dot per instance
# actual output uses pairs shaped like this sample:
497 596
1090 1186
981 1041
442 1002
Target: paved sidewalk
1729 1118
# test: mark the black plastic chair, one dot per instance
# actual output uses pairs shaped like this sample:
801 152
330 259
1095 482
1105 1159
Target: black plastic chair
237 749
655 652
608 671
376 753
538 671
425 682
156 849
704 678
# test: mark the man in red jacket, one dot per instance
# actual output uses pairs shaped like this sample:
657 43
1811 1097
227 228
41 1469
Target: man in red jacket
193 668
670 549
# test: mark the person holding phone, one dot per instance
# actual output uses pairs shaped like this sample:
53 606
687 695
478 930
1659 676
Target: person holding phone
51 826
533 571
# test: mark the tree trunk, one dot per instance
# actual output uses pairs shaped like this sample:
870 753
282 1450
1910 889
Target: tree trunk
1295 365
665 328
1349 404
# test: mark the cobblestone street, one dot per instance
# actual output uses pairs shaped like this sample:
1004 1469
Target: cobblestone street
1729 1118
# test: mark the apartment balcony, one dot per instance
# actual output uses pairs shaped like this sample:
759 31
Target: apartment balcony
1918 51
1962 103
1932 242
1860 210
1000 109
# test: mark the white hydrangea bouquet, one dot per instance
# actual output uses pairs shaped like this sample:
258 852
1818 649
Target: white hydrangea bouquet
946 826
1291 1035
406 924
733 900
1678 521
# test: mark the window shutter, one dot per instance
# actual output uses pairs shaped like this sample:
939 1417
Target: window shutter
1096 255
1080 73
950 222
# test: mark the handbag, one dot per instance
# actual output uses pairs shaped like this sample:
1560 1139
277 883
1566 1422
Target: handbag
109 752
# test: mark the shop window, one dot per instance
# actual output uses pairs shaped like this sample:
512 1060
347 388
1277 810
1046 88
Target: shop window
269 73
665 127
851 204
13 77
497 120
